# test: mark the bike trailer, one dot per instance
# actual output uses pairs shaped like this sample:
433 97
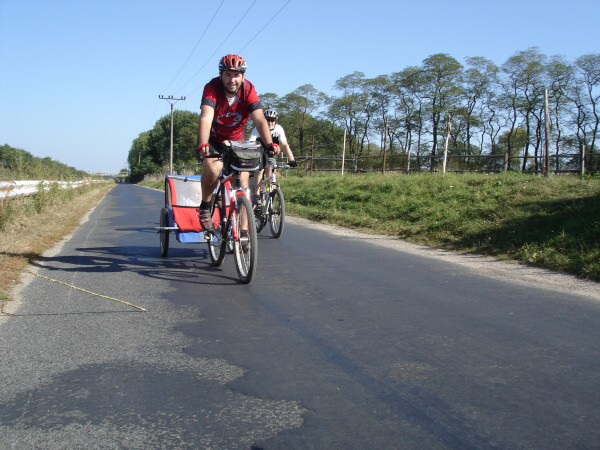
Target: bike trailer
183 195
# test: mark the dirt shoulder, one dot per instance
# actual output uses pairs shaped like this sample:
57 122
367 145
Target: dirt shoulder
29 236
482 265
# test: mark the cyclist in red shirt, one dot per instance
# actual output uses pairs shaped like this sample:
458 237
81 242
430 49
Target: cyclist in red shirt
227 102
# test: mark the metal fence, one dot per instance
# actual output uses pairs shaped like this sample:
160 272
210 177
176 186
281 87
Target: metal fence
399 163
25 188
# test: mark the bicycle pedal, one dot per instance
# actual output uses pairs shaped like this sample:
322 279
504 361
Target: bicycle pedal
244 239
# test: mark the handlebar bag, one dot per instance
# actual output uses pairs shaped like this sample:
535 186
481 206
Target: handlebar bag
245 156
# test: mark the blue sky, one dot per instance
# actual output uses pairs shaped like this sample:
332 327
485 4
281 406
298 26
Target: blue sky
80 79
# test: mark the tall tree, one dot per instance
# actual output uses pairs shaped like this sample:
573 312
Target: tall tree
351 110
536 83
479 82
520 94
378 92
582 118
406 86
589 69
526 73
442 75
303 102
560 76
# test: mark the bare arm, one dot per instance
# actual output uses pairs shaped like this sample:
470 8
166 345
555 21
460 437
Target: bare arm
258 118
207 115
288 151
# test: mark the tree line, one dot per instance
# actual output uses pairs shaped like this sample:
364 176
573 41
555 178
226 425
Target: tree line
510 110
18 164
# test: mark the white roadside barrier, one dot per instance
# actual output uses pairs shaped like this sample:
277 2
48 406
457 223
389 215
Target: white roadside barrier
10 189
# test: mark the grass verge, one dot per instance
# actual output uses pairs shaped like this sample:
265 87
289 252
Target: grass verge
29 226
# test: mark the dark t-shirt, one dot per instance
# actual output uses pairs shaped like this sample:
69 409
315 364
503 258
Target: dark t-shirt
229 121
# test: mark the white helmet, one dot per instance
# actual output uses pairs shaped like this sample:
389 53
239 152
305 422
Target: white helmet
271 114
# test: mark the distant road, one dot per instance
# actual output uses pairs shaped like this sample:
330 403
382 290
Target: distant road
337 343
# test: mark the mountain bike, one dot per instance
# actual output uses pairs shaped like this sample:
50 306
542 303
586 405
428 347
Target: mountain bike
271 205
231 210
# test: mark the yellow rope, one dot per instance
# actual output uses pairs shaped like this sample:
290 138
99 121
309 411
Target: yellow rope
78 288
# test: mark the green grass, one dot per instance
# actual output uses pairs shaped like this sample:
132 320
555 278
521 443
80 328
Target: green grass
548 222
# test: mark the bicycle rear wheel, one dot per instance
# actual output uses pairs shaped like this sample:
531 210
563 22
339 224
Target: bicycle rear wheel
276 213
218 238
246 244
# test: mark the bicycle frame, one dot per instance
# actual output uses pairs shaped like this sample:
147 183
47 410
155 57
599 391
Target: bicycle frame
226 211
268 182
270 195
230 209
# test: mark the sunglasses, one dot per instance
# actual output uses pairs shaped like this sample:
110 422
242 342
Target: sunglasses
271 120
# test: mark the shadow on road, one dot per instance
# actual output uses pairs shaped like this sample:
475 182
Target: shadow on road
187 265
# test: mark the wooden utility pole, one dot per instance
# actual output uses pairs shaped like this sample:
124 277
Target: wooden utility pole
385 129
446 146
408 145
344 151
546 136
312 155
172 101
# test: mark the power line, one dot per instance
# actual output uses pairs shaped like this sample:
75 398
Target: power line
248 43
217 49
264 26
196 46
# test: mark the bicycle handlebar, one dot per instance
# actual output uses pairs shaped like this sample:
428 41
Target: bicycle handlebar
283 167
219 150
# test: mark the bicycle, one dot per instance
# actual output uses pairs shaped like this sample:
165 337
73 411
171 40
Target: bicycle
271 205
231 210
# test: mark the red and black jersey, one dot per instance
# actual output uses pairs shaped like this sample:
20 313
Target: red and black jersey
229 121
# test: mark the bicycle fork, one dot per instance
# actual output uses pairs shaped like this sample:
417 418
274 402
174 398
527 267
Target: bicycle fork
216 235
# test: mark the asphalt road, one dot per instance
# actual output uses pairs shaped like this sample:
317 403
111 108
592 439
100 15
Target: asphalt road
336 344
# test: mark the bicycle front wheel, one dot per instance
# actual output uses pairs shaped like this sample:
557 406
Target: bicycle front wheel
276 213
246 244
